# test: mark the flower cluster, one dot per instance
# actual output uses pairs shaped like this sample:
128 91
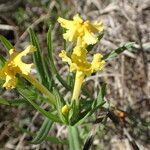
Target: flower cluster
15 66
82 33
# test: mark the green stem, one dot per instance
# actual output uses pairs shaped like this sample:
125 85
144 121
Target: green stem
73 138
41 88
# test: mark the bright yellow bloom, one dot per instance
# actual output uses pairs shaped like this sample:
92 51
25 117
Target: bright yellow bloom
78 61
15 65
80 31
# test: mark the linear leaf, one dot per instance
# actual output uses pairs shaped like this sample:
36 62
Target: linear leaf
119 50
37 56
2 60
43 132
41 110
50 50
4 101
48 75
59 104
100 97
6 43
14 102
56 140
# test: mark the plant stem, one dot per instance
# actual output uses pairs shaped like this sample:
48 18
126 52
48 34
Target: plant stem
73 138
41 88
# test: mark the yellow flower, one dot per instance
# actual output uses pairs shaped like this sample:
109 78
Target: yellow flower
80 31
78 61
15 65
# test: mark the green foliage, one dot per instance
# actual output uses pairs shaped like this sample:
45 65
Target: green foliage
4 101
73 137
50 50
43 132
59 104
26 94
100 98
2 61
79 112
56 140
38 58
117 51
6 43
14 102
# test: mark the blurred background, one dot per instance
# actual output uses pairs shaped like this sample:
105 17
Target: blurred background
127 77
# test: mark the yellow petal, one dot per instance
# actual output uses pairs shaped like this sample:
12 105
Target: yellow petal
90 38
64 57
71 35
15 65
12 51
77 18
80 52
10 82
99 26
78 61
97 63
65 23
28 50
82 32
73 67
24 68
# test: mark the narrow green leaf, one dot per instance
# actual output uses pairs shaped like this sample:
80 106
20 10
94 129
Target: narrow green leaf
6 43
96 104
1 83
56 140
4 101
2 60
41 110
102 93
59 104
83 119
13 102
88 142
37 56
48 75
74 113
43 132
17 102
73 137
63 82
119 50
50 51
